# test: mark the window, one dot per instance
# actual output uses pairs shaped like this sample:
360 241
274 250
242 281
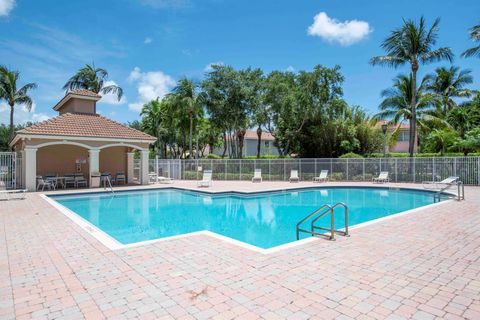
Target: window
404 136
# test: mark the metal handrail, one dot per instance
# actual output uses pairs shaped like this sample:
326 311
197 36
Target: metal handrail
107 178
330 209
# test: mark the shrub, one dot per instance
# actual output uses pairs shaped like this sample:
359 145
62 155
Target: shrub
350 155
213 156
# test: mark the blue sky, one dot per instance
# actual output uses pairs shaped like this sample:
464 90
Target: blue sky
148 44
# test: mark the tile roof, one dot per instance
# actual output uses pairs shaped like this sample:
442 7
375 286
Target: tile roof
85 125
393 126
251 134
83 92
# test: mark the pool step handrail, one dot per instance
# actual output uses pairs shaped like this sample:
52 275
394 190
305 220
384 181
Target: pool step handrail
319 213
107 178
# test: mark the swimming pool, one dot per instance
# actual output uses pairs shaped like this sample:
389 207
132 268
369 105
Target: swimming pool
264 220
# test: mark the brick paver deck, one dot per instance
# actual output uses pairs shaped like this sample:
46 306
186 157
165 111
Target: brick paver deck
423 265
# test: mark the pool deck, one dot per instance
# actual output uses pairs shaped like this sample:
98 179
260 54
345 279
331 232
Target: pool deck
422 265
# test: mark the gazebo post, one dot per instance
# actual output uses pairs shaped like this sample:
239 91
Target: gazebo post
30 168
130 160
144 179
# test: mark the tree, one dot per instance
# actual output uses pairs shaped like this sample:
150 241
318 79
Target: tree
449 83
412 43
440 140
475 36
153 118
470 143
92 79
397 108
12 95
187 100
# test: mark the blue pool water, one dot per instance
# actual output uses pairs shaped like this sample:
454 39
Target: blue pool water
264 220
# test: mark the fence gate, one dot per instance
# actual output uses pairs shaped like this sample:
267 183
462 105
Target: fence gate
8 170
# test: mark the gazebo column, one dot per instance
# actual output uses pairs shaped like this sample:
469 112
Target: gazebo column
30 160
130 157
144 179
94 156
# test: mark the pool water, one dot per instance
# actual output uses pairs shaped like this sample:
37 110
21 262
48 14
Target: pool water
264 219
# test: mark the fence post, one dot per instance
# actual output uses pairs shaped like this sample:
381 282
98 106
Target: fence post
414 168
396 171
433 169
316 167
331 166
269 170
284 169
363 168
300 168
347 169
240 168
226 165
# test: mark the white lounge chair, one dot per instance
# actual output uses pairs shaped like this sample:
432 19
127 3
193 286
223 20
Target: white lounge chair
206 180
17 194
257 175
294 176
441 185
164 180
323 177
382 178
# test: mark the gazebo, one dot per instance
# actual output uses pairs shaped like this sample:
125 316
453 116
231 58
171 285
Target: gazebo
81 141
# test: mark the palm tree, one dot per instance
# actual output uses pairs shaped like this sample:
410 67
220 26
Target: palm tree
475 36
396 105
187 99
93 79
449 83
412 43
12 95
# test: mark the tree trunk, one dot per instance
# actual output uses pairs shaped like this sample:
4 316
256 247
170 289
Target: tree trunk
190 136
240 135
413 120
224 145
12 126
259 141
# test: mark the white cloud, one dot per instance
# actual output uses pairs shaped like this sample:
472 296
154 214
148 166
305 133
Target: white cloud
6 6
209 68
21 114
148 40
345 33
150 85
290 69
111 98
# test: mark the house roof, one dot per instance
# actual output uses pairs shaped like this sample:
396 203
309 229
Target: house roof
402 125
84 125
250 134
77 93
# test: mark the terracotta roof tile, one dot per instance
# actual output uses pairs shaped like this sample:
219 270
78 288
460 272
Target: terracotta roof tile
85 125
83 92
392 126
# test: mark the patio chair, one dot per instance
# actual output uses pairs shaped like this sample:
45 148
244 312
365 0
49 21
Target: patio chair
69 180
382 178
41 182
323 177
206 180
80 181
294 176
441 185
257 175
120 177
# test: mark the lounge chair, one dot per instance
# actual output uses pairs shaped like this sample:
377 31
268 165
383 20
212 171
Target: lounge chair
323 177
164 180
206 180
441 185
18 194
382 178
257 175
294 176
44 183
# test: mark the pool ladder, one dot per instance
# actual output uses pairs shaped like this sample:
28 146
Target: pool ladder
318 214
109 186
